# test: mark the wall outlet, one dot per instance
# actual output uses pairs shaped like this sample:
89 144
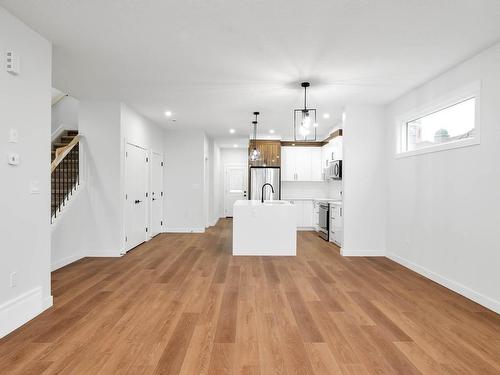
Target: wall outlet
13 159
13 279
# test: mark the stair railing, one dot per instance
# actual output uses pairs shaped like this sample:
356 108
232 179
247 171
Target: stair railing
65 175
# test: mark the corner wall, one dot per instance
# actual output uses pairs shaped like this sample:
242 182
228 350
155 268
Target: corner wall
443 206
364 178
25 221
184 181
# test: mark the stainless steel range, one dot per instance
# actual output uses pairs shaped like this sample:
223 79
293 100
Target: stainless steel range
324 220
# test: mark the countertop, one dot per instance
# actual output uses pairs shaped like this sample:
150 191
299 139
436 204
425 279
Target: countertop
258 203
330 200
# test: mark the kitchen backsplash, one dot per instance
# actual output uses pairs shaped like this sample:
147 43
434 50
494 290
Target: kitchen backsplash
317 189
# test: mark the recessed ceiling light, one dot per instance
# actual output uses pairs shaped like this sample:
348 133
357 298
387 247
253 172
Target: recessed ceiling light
235 146
168 113
232 131
326 115
271 131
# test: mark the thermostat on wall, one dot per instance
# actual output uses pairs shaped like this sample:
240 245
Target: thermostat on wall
12 62
13 159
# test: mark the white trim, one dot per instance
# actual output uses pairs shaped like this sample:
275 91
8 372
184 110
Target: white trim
214 222
47 302
21 309
104 253
450 284
65 261
124 245
472 90
184 230
362 253
441 147
162 197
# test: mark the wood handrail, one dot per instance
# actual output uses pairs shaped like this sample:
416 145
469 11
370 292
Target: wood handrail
61 152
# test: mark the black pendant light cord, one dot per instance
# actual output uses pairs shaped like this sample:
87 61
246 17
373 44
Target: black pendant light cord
305 98
305 85
255 127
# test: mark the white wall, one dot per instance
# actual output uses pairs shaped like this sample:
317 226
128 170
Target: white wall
140 131
65 113
304 189
184 180
365 181
25 220
92 224
443 207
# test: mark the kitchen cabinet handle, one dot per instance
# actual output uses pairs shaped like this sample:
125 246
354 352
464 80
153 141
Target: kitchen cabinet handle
137 201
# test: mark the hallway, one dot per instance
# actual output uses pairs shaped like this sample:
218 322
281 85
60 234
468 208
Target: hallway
182 304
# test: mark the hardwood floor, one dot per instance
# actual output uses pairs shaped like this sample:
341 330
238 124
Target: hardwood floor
181 304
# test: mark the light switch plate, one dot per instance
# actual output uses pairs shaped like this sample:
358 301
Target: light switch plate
13 159
12 62
35 187
13 136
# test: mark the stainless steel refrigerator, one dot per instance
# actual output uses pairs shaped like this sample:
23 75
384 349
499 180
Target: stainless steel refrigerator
261 175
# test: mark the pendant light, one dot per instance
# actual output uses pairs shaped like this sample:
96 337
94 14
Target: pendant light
255 153
304 120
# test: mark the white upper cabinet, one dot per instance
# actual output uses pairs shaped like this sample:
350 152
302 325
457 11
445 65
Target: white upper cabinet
301 164
316 168
287 164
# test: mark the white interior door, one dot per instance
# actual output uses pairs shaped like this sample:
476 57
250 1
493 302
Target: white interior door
235 186
135 196
156 193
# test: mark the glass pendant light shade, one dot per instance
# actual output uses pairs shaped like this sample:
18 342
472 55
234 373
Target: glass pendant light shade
304 121
255 153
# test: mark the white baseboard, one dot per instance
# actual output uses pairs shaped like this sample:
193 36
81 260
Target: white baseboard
185 230
463 290
306 229
214 222
65 261
104 254
362 253
21 309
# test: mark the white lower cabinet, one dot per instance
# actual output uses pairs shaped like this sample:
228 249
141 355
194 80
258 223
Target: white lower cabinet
305 214
336 224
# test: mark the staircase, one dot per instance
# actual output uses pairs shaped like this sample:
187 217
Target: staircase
65 174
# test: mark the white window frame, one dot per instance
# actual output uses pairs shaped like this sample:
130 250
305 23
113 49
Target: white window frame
455 97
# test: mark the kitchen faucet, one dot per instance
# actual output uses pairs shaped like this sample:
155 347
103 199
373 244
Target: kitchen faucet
263 186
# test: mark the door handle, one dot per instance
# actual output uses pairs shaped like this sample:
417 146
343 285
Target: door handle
137 201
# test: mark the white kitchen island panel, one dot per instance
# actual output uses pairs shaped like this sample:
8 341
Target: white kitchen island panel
261 229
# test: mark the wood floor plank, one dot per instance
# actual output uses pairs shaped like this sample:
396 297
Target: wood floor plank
182 304
173 355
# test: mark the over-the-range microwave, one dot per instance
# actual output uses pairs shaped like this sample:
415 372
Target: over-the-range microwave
334 170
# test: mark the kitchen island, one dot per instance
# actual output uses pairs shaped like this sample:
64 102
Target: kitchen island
268 228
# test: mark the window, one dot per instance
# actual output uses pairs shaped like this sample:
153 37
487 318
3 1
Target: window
453 123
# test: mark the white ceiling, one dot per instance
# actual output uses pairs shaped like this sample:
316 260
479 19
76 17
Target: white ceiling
215 62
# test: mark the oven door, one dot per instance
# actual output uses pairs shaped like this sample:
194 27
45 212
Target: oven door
323 221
